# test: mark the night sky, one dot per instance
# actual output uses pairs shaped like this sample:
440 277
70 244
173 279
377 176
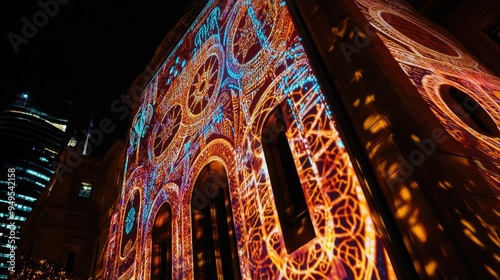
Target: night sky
86 52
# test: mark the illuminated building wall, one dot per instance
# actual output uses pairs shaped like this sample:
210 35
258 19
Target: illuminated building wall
239 88
427 118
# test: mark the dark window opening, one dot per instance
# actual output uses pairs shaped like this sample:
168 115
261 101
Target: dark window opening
214 242
494 33
469 110
293 214
70 261
161 261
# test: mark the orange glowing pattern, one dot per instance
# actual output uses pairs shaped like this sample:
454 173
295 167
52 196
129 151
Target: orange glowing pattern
209 102
463 96
433 62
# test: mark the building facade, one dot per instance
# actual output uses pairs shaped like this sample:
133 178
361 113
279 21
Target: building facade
311 140
475 23
32 131
70 221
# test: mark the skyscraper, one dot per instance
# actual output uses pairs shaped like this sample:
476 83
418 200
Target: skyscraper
32 131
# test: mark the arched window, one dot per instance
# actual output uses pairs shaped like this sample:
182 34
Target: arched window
214 242
293 214
161 261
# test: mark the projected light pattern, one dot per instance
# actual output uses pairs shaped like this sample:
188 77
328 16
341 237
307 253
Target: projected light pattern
130 220
435 65
431 61
209 102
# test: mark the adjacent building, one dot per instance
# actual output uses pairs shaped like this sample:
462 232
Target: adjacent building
32 131
70 222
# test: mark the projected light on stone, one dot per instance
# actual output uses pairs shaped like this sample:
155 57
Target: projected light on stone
434 64
208 103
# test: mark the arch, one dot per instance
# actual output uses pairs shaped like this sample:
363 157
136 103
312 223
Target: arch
161 253
293 213
166 195
131 221
213 234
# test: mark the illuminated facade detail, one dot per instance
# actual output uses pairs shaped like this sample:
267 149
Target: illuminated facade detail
161 260
431 62
130 220
204 84
458 99
294 217
431 70
130 224
243 59
468 110
111 247
214 241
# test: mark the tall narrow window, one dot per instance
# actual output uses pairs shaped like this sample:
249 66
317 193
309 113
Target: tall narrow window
161 261
494 33
214 242
293 214
85 190
70 261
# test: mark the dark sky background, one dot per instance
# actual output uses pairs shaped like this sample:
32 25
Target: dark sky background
88 52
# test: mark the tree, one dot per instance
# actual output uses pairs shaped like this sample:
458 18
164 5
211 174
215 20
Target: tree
27 268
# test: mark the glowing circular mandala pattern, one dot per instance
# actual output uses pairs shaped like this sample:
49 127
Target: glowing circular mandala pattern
417 34
252 33
431 61
252 37
487 145
167 130
204 84
427 45
130 220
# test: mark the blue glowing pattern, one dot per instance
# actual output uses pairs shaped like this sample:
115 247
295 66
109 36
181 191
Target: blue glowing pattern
130 220
238 61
